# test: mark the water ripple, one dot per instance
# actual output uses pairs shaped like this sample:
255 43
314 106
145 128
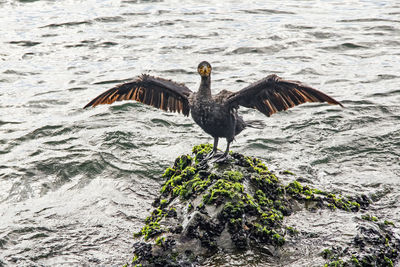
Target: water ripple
256 50
344 46
368 20
67 24
267 11
25 43
110 19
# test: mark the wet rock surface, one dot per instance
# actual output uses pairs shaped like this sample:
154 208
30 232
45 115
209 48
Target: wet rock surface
239 206
375 244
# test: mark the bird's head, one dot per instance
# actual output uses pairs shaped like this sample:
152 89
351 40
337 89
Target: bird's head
204 69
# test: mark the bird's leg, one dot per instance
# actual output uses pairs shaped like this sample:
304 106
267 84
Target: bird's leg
213 151
215 147
225 155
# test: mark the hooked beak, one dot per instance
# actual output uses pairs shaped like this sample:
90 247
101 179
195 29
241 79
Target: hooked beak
204 71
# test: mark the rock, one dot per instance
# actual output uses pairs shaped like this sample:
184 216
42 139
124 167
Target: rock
375 244
231 207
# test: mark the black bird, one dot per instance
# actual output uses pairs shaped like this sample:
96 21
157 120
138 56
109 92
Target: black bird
217 115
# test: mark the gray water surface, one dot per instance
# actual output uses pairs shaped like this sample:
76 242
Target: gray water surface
75 184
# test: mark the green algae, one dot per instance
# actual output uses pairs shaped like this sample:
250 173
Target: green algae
288 172
373 234
160 241
190 207
185 180
330 200
201 151
149 230
251 200
221 190
269 203
388 262
386 222
294 188
133 263
234 176
355 261
291 231
233 210
369 217
135 258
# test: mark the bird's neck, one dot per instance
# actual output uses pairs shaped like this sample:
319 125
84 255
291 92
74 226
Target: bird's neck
205 87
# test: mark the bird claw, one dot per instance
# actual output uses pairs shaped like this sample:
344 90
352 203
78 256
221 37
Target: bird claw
221 159
203 165
209 156
205 160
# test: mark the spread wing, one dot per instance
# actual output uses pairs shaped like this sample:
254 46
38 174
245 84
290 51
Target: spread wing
273 94
157 92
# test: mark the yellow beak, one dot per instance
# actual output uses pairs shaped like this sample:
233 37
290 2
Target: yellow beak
204 70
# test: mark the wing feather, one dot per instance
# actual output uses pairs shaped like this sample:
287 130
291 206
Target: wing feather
157 92
273 94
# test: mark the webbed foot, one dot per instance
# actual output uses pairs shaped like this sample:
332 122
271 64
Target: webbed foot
221 159
205 160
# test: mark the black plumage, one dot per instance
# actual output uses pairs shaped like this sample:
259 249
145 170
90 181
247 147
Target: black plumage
217 115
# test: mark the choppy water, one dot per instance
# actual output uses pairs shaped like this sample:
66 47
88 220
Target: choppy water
75 184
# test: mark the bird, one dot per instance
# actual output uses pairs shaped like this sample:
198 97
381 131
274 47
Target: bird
216 114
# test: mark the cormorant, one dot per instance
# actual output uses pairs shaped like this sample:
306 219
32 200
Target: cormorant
217 115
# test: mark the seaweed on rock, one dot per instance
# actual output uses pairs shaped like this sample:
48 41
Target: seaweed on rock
375 244
203 209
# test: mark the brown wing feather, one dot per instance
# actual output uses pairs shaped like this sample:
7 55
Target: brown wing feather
157 92
273 94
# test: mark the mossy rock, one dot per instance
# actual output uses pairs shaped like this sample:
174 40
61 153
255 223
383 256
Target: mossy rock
375 244
229 207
